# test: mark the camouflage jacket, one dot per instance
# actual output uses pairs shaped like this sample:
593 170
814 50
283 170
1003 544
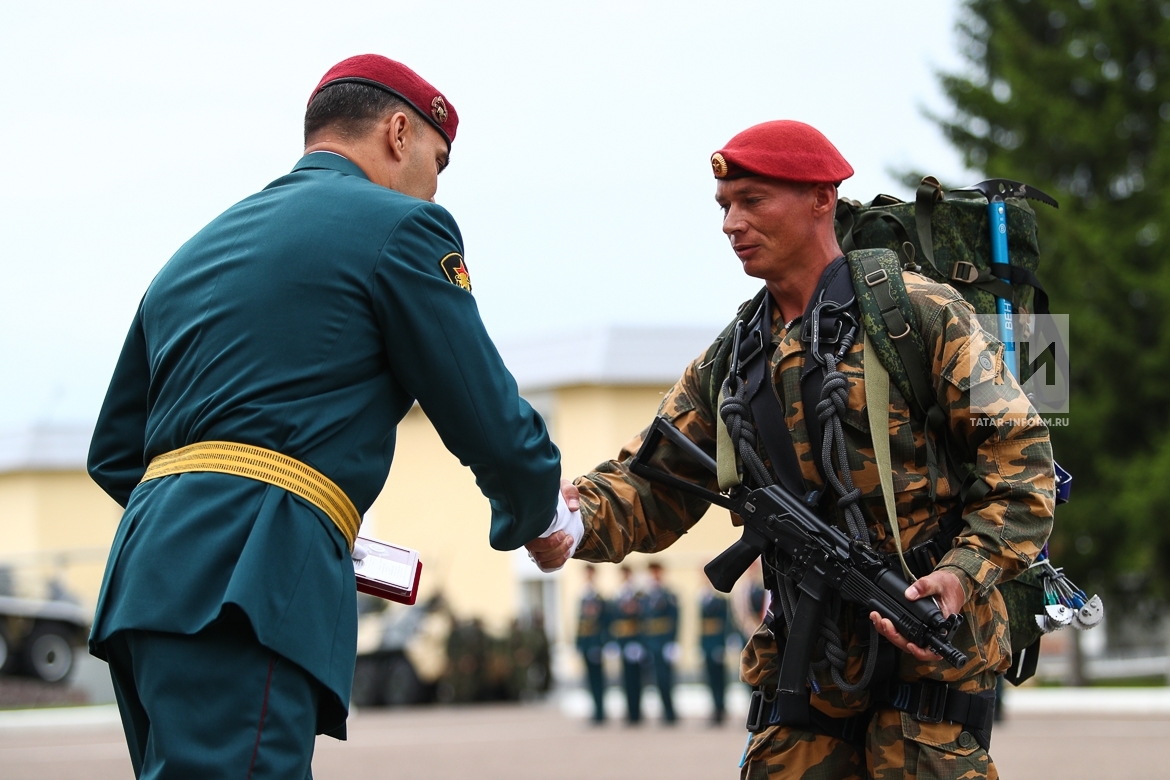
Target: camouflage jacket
1002 532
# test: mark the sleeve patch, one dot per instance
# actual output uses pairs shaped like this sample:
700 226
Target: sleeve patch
455 269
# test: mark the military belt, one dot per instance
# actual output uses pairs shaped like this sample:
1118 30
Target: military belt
767 708
263 465
927 701
932 701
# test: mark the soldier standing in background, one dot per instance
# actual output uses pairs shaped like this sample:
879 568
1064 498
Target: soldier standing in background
592 634
660 629
749 601
714 628
626 629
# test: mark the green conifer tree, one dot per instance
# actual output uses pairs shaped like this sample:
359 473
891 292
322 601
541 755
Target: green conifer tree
1073 97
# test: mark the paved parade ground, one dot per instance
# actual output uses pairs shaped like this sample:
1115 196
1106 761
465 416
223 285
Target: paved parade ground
548 741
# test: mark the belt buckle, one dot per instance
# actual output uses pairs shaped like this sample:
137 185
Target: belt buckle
932 700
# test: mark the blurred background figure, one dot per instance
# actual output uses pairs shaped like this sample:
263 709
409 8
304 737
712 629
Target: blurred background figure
714 630
626 628
660 629
749 601
592 634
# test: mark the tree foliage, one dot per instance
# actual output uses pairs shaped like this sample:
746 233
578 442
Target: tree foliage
1073 97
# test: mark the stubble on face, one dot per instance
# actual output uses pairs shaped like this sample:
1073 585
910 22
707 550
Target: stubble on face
769 223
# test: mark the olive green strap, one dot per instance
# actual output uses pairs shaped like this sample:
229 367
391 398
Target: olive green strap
877 407
726 466
928 192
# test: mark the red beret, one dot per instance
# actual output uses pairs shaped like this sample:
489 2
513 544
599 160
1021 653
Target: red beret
397 79
783 149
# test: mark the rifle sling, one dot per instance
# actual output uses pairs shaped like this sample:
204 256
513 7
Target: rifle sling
766 411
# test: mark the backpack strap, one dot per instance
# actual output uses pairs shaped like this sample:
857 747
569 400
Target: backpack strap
885 312
890 323
889 320
929 190
877 405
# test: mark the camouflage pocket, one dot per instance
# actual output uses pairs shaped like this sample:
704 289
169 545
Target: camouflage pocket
856 418
941 751
1024 600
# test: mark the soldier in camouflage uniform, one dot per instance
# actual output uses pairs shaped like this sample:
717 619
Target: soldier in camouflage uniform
777 187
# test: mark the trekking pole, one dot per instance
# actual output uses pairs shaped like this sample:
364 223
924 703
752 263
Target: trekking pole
997 191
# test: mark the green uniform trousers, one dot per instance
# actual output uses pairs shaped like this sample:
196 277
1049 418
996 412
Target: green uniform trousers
216 704
897 747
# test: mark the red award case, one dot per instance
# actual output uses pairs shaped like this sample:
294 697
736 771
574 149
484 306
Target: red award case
387 570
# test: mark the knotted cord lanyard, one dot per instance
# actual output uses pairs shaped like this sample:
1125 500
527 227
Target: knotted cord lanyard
735 410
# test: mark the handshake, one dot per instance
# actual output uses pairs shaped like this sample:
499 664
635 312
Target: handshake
552 549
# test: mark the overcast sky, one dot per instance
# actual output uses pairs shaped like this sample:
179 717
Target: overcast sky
580 175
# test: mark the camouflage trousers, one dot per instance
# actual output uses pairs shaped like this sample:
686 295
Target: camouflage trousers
897 747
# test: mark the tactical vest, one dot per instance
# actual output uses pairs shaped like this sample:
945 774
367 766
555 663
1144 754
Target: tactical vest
894 352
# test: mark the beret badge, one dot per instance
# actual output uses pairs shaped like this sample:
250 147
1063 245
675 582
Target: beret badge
718 165
439 109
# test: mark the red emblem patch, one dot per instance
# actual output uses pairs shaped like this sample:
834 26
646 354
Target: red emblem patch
455 269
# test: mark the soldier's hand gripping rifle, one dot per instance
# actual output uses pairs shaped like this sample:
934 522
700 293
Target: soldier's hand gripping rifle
823 560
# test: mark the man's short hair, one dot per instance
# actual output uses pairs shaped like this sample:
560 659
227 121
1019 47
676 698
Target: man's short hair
351 110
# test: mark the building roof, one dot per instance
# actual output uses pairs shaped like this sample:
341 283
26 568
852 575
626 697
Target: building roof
45 447
616 355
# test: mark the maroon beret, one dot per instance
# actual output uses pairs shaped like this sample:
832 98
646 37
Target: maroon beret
397 79
783 149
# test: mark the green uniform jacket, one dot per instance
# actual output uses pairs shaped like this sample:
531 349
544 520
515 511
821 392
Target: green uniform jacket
307 319
659 618
592 622
714 617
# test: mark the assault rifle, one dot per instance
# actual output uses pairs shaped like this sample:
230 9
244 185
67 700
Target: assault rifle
823 559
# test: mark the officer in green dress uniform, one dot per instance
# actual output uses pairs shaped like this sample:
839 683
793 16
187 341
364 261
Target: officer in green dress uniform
262 379
592 634
660 633
626 629
714 627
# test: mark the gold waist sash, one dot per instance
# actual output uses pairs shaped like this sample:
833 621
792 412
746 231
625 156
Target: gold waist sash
262 465
659 626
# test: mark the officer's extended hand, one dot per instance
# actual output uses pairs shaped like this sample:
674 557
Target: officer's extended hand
947 591
551 552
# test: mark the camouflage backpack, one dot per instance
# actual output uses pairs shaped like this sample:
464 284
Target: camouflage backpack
945 240
948 240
